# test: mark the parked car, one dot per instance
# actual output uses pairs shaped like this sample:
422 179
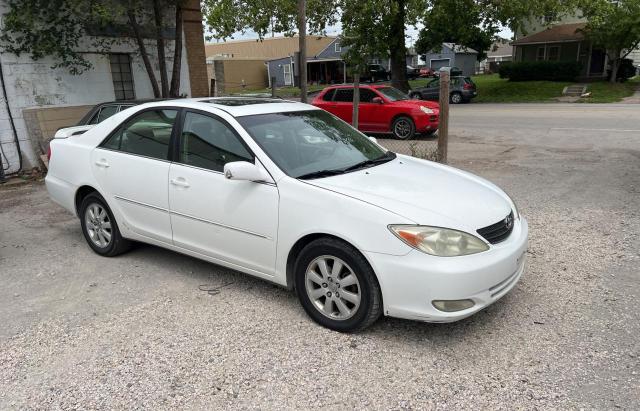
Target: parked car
427 72
289 193
103 111
461 90
453 71
412 73
382 109
375 72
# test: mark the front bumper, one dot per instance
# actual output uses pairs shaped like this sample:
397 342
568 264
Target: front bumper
411 282
427 122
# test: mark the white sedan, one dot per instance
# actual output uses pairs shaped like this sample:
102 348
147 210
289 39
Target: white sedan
289 193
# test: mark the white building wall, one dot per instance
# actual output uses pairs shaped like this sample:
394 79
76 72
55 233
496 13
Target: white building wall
35 84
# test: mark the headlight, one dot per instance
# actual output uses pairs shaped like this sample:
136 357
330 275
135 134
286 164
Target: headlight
426 110
438 241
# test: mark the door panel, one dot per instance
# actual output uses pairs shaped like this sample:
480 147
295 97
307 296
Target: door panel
138 187
235 221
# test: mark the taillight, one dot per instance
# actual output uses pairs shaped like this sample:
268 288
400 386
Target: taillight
467 86
49 153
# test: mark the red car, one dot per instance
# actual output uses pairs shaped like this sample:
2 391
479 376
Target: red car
427 72
382 109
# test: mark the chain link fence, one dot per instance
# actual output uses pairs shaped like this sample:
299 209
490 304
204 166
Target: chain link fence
420 147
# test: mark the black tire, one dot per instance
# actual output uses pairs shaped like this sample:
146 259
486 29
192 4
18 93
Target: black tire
117 244
456 98
403 128
370 303
416 95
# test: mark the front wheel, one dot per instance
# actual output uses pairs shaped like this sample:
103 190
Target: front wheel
336 286
416 96
403 128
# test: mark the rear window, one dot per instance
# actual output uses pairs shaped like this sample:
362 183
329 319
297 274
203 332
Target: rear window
328 96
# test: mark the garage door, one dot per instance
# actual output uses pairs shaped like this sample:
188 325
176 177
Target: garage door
437 64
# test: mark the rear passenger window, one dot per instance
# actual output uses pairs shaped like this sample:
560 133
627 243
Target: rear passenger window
328 96
344 95
146 134
207 142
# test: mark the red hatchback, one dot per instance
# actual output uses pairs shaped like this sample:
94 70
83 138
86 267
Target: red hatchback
382 109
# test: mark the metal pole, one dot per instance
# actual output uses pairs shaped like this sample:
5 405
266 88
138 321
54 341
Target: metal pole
443 129
356 98
302 45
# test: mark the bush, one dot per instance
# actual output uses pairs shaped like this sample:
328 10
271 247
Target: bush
540 70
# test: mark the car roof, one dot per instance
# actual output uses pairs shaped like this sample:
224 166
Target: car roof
237 106
362 85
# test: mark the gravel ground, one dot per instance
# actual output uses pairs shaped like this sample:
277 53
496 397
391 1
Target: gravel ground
142 331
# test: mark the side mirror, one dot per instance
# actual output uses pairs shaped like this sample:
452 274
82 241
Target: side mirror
377 100
244 170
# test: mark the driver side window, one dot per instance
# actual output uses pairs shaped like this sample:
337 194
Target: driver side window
207 142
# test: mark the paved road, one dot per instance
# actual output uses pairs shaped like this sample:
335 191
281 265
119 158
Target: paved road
80 331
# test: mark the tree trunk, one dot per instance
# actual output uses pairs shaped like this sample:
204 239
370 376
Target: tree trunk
302 45
143 53
162 62
398 49
614 68
177 54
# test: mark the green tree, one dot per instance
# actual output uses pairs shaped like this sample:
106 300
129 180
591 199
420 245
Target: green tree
473 27
613 25
62 29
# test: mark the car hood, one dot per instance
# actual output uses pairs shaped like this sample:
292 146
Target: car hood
416 104
424 192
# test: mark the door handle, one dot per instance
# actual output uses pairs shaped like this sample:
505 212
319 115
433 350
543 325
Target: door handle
102 163
180 182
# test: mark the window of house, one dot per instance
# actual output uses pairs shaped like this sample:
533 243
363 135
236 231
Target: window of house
553 53
122 77
540 54
337 47
549 18
146 134
209 143
344 95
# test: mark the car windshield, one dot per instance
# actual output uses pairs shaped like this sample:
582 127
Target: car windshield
313 144
393 94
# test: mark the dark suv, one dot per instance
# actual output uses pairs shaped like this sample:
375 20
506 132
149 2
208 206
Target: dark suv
461 90
375 72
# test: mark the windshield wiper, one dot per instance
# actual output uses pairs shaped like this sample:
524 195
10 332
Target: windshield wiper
386 157
320 174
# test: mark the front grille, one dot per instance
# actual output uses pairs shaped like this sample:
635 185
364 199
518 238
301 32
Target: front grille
499 231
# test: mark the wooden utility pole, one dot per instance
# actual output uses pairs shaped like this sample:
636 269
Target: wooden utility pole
443 129
302 45
356 98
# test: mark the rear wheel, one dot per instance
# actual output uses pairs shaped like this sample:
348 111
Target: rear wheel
100 228
337 286
403 128
416 96
456 98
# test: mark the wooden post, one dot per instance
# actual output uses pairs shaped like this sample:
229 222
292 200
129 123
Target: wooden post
212 91
356 98
273 86
302 45
443 129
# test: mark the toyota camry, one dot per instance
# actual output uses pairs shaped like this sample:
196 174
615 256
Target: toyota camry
291 194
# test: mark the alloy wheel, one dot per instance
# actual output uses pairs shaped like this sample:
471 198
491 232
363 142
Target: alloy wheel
402 128
98 225
332 287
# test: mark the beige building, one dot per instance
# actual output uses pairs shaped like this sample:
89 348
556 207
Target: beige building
241 64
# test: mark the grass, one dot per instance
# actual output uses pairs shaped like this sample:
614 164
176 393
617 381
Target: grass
493 89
